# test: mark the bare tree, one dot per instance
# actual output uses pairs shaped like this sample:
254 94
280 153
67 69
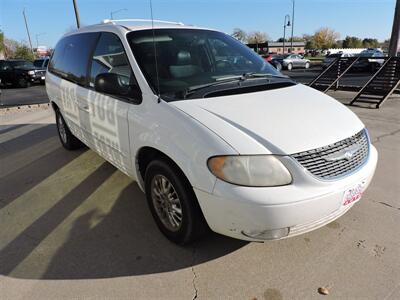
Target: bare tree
257 37
239 34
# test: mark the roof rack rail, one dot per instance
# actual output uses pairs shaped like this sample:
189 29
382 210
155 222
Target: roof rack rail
115 22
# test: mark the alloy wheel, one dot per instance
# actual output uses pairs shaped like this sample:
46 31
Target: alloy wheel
166 203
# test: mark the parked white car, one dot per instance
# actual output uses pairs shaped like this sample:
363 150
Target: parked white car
213 134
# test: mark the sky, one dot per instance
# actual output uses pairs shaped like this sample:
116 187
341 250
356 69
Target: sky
48 20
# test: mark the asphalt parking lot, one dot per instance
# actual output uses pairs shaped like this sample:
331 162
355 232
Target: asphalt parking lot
23 96
72 226
349 80
36 94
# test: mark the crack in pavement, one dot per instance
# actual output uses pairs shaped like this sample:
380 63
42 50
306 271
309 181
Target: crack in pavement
194 275
388 205
392 292
380 137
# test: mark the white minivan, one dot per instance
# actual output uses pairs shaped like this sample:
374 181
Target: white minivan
213 134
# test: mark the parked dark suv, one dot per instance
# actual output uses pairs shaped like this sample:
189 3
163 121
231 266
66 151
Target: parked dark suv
18 72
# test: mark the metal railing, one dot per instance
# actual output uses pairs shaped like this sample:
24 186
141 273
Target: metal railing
381 85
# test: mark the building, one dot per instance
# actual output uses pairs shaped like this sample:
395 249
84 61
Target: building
42 51
277 47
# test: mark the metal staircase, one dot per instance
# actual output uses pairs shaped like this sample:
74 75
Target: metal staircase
331 75
381 85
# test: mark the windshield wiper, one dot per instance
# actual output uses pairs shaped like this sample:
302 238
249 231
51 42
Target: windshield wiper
228 79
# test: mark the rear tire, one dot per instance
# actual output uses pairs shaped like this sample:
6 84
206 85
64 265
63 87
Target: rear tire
173 203
67 139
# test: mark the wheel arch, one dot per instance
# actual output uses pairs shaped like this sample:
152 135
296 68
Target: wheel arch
54 106
145 155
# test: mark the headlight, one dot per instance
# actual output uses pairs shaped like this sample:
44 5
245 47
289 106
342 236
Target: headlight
252 170
31 72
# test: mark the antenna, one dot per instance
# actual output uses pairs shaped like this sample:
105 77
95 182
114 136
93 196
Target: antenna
155 52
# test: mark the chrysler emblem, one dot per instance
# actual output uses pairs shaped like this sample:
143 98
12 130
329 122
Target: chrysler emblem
346 153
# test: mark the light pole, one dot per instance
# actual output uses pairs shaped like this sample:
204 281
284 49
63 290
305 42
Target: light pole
37 40
115 11
291 39
286 22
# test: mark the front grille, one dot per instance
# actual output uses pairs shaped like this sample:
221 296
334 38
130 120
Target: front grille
331 161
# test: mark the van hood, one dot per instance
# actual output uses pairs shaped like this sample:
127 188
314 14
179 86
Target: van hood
281 121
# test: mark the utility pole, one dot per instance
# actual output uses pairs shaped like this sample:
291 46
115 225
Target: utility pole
78 22
27 30
291 39
394 39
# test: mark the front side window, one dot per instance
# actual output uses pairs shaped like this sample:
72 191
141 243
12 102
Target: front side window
109 57
189 58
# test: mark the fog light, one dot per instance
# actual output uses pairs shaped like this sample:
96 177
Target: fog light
267 234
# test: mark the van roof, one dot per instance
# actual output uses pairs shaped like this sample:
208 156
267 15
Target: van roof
136 24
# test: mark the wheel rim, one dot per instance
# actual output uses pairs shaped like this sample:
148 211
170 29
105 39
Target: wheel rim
166 203
61 129
307 65
289 66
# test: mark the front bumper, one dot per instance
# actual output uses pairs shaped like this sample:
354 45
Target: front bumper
37 77
305 205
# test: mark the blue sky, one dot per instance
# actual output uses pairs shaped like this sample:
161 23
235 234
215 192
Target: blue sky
52 18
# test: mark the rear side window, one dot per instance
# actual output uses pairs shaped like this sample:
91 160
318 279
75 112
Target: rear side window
71 57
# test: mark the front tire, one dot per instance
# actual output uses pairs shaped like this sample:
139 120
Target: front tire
68 140
23 83
173 203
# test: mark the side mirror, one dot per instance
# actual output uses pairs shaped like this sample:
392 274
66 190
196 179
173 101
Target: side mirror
117 85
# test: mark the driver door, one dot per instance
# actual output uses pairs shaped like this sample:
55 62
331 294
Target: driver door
107 114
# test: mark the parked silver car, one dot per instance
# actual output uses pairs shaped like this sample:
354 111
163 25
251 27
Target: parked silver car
290 61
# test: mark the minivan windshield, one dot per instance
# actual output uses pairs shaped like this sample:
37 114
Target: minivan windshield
189 59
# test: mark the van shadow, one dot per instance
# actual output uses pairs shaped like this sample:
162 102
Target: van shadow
126 242
29 153
123 242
